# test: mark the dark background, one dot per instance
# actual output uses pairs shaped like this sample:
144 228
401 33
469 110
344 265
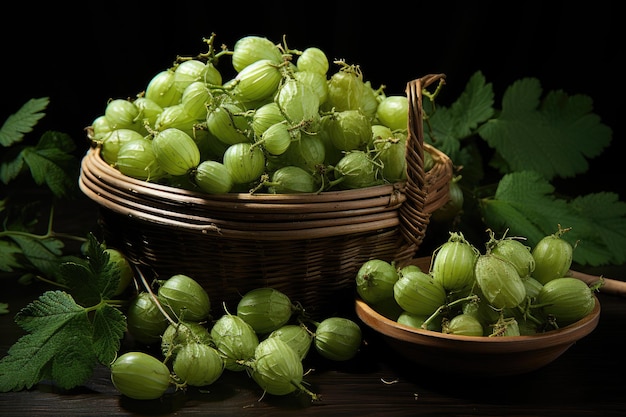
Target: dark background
84 54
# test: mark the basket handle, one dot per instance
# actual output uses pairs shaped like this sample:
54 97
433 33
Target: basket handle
414 214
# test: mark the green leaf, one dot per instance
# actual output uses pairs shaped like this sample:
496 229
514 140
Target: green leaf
109 325
82 282
4 308
602 235
58 346
524 203
554 137
449 126
56 141
442 133
11 169
94 280
8 256
51 162
44 254
473 107
107 274
52 165
22 122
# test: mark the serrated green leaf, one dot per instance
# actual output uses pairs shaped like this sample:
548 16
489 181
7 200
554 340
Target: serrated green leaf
524 203
81 281
92 280
474 106
11 169
59 333
58 345
531 197
106 274
8 256
44 254
22 122
56 140
442 133
4 308
52 167
74 360
109 326
601 235
50 311
554 137
447 127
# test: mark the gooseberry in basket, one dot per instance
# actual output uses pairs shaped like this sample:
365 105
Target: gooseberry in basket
277 138
349 130
162 91
258 80
265 116
113 141
307 153
175 151
213 177
291 179
314 60
245 162
194 100
298 103
393 112
357 169
249 49
316 81
123 114
136 159
391 152
226 122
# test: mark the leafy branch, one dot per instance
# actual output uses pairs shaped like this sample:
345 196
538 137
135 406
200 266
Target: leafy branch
68 334
53 167
509 156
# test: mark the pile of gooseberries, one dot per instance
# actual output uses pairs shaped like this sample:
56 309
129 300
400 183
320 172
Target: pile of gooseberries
267 338
509 289
276 120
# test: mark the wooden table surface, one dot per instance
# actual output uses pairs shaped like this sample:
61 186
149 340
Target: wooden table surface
587 380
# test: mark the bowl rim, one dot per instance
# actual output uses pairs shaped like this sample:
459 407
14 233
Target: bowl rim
395 330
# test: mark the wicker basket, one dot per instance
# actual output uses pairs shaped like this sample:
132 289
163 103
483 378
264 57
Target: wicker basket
309 246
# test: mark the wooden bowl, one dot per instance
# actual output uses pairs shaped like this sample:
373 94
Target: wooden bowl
476 355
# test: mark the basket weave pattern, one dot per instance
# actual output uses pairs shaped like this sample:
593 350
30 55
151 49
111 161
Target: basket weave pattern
308 246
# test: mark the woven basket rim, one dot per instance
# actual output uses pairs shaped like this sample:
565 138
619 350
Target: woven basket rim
94 164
